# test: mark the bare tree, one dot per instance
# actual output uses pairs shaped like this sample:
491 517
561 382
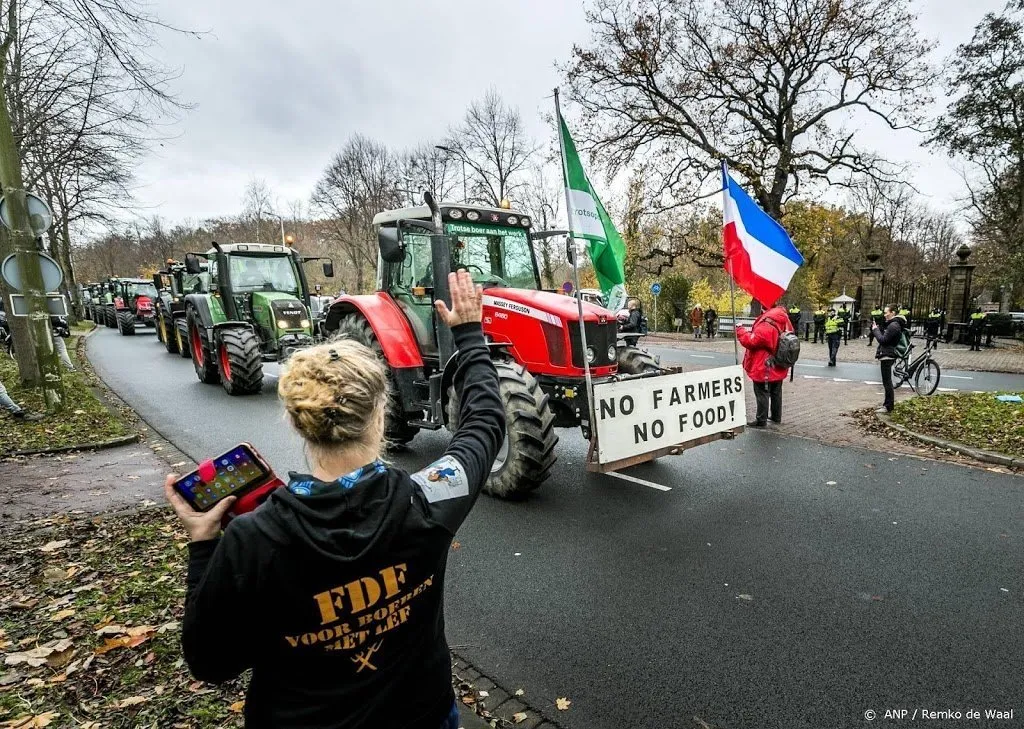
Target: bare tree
256 204
767 86
542 197
494 145
357 184
429 168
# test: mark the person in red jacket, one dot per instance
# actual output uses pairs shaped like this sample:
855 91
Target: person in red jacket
760 344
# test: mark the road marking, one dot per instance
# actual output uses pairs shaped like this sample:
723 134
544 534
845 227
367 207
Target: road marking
840 379
640 481
958 377
812 377
948 389
702 356
870 382
812 365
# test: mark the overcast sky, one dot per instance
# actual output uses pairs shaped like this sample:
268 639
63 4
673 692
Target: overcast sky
278 87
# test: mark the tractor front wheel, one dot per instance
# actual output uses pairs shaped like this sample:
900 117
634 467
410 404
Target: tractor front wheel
181 337
525 457
126 324
240 361
397 429
168 337
109 317
635 361
204 358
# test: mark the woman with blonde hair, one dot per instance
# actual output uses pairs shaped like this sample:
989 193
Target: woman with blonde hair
332 591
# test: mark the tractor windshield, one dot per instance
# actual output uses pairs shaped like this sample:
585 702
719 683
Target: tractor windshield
142 289
494 255
263 273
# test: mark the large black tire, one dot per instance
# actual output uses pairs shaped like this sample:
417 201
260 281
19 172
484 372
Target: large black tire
204 356
166 334
635 361
109 317
126 323
397 429
181 337
526 456
240 361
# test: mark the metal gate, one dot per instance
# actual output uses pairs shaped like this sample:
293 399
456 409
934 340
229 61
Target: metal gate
920 296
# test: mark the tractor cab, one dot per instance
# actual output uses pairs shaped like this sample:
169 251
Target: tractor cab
255 308
135 303
173 283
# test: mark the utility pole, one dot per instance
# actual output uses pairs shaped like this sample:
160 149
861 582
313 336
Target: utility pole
37 363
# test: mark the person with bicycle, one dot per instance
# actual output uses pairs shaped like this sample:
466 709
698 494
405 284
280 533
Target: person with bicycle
887 338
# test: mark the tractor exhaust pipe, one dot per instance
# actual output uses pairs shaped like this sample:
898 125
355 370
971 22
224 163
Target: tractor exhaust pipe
441 257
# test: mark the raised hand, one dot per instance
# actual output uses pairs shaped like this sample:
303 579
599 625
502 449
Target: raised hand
467 300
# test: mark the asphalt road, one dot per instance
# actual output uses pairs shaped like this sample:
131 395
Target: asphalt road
754 593
859 372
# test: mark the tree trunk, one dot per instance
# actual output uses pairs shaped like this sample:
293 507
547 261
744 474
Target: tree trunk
37 363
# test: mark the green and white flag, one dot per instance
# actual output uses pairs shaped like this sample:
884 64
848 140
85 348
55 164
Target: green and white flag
590 221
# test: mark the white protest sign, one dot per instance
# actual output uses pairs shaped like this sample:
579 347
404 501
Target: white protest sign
644 415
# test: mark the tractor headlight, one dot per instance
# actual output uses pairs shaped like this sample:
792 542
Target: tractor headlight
304 323
282 324
611 353
591 355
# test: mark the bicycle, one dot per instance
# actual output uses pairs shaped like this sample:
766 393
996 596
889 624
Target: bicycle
921 373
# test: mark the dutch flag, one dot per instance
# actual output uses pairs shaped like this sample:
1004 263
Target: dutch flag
759 254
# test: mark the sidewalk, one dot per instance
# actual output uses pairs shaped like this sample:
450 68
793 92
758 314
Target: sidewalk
949 356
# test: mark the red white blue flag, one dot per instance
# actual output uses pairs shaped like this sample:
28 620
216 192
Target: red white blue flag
759 254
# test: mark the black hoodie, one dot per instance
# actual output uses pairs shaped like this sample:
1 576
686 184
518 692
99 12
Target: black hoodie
336 600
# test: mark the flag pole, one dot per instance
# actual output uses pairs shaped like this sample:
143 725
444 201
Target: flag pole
575 272
732 283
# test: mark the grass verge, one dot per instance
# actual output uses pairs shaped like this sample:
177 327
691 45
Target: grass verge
84 421
90 628
977 420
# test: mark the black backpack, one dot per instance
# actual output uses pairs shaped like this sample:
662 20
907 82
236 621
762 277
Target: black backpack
787 351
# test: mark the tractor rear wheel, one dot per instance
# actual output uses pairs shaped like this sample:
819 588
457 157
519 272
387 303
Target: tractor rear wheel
525 457
126 324
109 317
635 361
181 337
204 357
397 429
240 361
165 335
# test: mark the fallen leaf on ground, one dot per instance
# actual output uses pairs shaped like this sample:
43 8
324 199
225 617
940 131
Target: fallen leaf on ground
562 704
483 694
38 655
54 546
455 545
469 699
237 706
519 692
58 616
131 701
520 717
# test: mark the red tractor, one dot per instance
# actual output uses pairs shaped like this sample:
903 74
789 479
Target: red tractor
534 335
134 304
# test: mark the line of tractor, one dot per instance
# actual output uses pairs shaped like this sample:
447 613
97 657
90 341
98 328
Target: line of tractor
236 306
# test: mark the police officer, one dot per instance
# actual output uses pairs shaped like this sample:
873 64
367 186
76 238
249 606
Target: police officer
794 318
844 319
933 326
819 324
833 333
878 317
974 330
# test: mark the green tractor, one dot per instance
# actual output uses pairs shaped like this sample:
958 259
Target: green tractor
255 310
104 309
173 284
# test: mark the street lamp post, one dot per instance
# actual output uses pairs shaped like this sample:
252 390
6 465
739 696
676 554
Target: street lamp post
273 215
452 152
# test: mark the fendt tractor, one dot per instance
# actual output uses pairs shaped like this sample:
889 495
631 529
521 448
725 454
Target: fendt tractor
173 284
255 310
134 304
103 308
534 335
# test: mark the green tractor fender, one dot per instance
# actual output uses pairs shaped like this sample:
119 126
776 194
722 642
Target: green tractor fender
210 313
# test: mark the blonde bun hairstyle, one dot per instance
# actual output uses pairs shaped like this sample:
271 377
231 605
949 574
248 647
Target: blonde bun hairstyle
335 393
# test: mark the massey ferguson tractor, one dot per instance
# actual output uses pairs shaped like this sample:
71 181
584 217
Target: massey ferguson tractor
254 310
534 335
173 283
133 304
